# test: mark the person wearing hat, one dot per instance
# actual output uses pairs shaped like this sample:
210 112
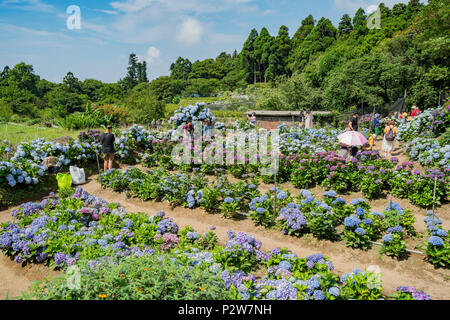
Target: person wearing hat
107 141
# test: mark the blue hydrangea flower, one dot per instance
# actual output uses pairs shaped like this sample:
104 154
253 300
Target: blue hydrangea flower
436 241
330 194
318 295
352 221
387 238
228 200
334 291
260 210
285 265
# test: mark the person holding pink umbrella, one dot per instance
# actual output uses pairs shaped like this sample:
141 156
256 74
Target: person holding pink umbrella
353 139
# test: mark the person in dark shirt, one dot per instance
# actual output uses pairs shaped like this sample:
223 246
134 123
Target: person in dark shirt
354 122
107 141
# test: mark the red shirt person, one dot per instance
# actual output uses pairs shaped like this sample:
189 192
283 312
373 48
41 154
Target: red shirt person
415 112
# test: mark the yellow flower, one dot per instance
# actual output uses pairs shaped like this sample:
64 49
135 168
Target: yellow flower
102 296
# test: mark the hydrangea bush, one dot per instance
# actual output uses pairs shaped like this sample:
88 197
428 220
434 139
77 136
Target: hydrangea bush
198 112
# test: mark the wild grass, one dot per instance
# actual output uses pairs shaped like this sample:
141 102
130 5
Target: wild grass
18 133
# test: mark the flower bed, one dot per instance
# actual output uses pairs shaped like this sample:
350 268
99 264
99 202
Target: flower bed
141 257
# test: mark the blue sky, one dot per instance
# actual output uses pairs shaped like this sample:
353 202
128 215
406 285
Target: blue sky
158 31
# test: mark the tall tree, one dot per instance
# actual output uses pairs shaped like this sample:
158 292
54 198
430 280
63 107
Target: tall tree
303 31
180 69
131 78
72 83
279 58
360 19
321 37
248 59
263 47
22 76
4 73
142 72
345 25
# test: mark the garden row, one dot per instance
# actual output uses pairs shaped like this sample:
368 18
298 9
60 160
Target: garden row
294 215
123 255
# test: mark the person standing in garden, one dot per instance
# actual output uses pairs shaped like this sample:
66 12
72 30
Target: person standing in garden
390 132
353 123
189 128
252 119
309 118
107 141
376 126
207 127
302 119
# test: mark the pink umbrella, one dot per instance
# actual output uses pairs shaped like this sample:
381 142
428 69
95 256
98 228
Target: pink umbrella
352 138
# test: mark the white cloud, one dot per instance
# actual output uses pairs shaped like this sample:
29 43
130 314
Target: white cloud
190 32
372 8
27 5
107 11
198 6
131 5
152 55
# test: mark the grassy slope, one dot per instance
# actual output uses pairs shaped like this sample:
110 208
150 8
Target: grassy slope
17 133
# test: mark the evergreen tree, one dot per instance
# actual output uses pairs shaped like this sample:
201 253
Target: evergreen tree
142 72
131 79
279 58
180 69
304 31
360 19
248 59
263 47
321 37
345 25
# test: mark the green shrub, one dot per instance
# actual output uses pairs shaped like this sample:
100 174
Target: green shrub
149 277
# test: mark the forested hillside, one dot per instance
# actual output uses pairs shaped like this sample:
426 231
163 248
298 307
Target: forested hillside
318 66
